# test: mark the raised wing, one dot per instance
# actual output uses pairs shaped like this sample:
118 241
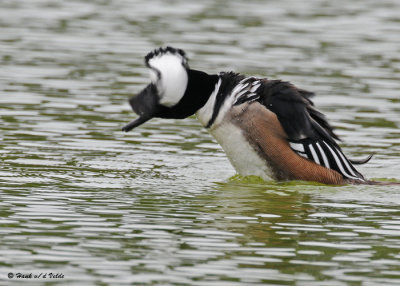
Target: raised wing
309 133
296 111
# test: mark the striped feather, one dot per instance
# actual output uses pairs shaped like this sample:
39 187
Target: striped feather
326 155
314 155
323 155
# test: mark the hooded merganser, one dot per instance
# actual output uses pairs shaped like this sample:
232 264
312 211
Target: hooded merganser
267 128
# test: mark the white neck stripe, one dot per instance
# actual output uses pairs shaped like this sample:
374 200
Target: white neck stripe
204 114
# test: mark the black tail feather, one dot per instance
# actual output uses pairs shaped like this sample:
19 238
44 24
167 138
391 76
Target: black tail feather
361 161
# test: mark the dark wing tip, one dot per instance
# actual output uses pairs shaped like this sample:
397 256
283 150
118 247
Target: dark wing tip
321 124
307 95
296 111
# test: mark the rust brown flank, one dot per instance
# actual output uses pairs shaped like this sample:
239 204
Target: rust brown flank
265 134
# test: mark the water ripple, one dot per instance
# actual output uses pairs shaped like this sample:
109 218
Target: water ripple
156 206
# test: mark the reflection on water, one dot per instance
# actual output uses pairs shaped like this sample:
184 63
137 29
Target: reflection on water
156 206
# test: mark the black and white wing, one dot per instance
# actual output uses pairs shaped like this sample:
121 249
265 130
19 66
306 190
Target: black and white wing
309 133
326 155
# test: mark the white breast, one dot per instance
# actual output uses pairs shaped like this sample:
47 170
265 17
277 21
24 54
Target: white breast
242 156
240 153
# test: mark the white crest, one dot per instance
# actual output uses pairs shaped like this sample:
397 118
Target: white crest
168 71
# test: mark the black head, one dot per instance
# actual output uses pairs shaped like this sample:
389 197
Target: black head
175 90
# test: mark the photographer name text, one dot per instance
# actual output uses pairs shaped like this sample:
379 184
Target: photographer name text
42 275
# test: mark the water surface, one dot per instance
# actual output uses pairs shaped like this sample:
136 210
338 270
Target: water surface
157 206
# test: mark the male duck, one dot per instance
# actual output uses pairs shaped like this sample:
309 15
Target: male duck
267 128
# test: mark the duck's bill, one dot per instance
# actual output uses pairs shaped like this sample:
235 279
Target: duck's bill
145 105
135 123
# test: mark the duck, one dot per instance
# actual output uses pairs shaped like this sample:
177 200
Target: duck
267 128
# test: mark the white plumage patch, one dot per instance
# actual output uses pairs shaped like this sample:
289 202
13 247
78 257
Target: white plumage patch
240 153
168 73
204 114
298 147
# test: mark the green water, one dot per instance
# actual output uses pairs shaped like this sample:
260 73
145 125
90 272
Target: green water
161 205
